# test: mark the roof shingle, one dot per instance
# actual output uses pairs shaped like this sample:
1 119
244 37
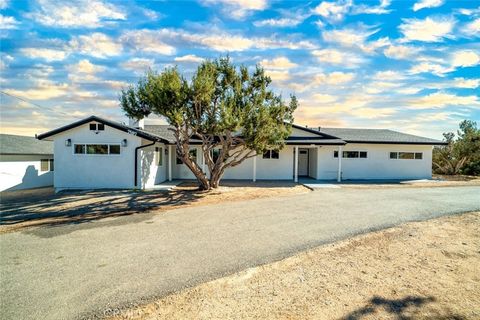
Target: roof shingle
14 144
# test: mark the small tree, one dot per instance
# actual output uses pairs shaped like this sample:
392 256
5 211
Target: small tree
230 110
461 155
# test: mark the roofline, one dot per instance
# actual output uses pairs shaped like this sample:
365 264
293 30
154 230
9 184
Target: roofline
116 125
439 143
315 143
318 133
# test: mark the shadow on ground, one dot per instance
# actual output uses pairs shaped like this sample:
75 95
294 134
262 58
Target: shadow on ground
80 207
407 308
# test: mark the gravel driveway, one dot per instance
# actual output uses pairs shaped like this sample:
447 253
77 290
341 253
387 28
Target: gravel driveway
78 270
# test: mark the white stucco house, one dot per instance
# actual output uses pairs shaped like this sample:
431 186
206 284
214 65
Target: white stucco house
99 153
25 162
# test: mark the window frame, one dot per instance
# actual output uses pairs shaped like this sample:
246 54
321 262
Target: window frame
359 152
50 165
85 151
269 154
414 154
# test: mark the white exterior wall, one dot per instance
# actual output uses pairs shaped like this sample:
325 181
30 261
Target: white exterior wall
378 164
313 162
83 171
23 172
150 172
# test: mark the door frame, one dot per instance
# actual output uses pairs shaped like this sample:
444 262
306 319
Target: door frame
308 162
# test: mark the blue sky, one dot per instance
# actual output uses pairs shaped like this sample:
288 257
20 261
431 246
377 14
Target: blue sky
412 66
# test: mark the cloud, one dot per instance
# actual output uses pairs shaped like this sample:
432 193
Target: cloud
427 4
466 83
442 99
428 67
97 45
278 63
7 23
4 4
138 65
333 11
379 9
149 40
237 9
333 78
278 75
427 30
44 53
465 58
164 41
281 22
85 66
472 29
42 90
189 58
338 57
400 52
77 14
356 38
324 98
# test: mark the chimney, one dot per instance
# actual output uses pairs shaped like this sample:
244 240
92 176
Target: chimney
137 124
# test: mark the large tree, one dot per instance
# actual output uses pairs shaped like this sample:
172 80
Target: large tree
232 111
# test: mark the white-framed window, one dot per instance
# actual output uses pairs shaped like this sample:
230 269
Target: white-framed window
102 149
46 165
159 155
97 127
406 155
352 154
271 154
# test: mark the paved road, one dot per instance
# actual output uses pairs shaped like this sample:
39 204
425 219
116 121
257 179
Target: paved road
73 271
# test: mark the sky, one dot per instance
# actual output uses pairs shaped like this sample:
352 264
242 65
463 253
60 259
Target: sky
412 66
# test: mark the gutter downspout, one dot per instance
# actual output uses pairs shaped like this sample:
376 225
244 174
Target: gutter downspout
136 161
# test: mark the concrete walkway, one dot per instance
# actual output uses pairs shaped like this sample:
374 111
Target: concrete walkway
77 270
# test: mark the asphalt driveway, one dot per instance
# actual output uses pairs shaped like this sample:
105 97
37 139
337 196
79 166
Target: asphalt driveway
79 270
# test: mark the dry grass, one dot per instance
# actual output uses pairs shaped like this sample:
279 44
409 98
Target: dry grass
423 270
29 208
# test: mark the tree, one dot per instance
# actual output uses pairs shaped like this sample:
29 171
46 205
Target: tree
461 155
231 111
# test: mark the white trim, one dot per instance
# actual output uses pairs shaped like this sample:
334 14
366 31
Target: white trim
339 171
169 162
97 154
295 163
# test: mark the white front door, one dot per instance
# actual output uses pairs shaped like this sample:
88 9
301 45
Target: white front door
303 162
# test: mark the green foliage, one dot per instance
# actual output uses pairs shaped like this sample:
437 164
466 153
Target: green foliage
226 106
462 154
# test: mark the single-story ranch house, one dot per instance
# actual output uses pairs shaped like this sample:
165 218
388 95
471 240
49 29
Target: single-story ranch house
99 153
25 162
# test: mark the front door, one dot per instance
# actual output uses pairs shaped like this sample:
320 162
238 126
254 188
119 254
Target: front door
303 162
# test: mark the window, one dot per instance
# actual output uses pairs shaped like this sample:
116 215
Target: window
97 126
79 149
96 149
46 165
406 155
159 156
351 154
215 155
193 156
271 154
114 149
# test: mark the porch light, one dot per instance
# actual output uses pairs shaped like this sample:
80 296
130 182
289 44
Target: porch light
124 142
68 142
166 151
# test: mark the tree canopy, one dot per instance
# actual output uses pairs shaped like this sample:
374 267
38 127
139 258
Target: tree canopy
233 111
462 154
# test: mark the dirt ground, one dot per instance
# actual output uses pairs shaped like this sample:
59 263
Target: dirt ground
29 208
421 270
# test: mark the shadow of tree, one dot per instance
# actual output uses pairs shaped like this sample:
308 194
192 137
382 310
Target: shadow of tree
402 309
80 207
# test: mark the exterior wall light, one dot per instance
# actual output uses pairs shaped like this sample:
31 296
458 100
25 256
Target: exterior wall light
68 142
166 151
124 142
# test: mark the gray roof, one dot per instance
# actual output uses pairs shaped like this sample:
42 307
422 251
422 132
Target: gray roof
13 144
161 130
378 136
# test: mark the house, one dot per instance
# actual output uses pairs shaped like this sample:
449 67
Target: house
25 162
99 153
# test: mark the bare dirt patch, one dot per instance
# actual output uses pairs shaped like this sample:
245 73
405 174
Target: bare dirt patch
436 181
31 208
421 270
